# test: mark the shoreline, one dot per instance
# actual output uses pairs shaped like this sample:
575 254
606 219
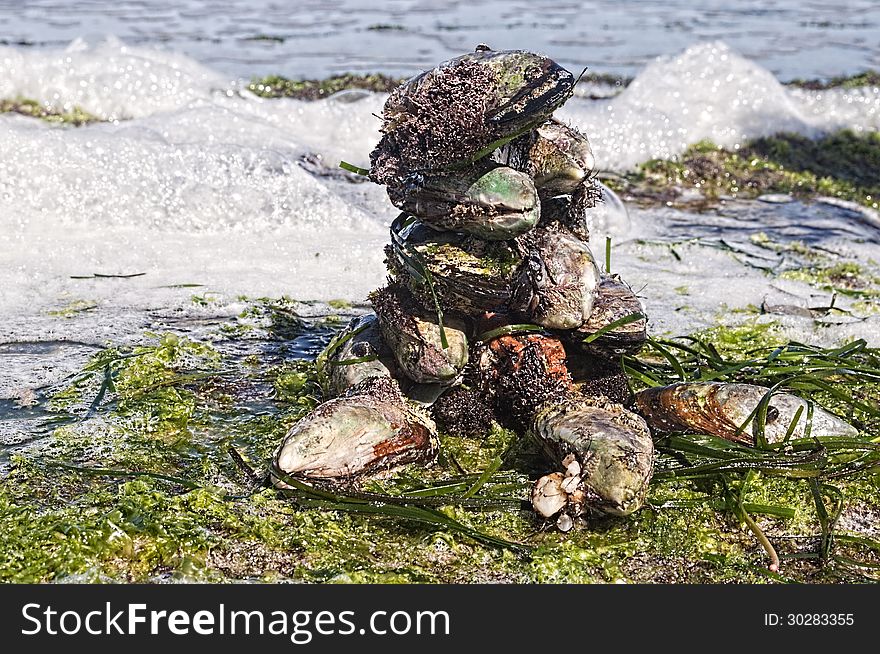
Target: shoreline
158 272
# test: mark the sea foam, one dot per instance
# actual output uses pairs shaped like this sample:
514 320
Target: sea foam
710 92
196 180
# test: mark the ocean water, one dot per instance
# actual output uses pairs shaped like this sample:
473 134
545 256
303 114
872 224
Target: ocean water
790 38
196 181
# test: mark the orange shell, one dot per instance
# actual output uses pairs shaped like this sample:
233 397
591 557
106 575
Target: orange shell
510 349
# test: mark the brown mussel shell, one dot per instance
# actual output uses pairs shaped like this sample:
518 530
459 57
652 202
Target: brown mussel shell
725 410
361 354
487 200
614 302
558 280
368 429
468 275
558 157
414 337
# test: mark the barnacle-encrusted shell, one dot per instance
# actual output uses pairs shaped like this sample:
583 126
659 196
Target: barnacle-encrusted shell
413 335
362 354
489 201
594 375
557 283
464 108
722 410
506 355
521 372
369 428
469 275
614 301
612 445
556 156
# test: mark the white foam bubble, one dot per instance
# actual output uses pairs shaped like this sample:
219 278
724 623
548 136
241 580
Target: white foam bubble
202 185
710 92
108 78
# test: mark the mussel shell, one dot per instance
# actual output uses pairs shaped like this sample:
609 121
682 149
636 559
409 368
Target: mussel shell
557 283
368 429
488 201
469 275
721 409
361 355
558 157
464 108
614 301
612 445
414 337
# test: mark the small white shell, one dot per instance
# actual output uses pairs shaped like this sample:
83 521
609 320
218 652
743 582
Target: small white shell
564 522
572 468
570 484
548 498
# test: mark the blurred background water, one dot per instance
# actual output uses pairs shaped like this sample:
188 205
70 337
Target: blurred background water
791 38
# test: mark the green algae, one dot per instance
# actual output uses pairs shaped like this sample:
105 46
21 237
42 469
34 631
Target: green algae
203 300
174 406
487 259
753 334
847 278
280 313
843 165
858 80
845 155
75 116
275 86
798 248
73 308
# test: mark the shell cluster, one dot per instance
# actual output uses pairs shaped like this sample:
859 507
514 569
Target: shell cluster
495 308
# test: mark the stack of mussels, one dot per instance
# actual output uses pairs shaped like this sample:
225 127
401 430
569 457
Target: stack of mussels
495 309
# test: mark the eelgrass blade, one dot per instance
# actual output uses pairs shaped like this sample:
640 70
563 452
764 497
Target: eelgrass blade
357 170
620 322
416 264
493 466
106 385
607 255
425 501
417 514
314 497
109 472
508 330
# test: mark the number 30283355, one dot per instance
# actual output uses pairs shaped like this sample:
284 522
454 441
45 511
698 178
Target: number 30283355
809 619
